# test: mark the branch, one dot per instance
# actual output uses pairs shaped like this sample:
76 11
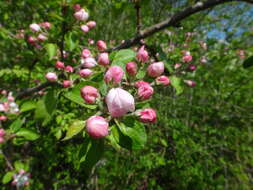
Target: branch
173 21
38 88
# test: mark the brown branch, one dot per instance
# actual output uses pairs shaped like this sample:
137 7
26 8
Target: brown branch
173 21
138 17
38 88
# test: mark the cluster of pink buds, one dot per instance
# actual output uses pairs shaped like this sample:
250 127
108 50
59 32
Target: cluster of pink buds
40 33
8 106
241 54
82 15
2 134
21 179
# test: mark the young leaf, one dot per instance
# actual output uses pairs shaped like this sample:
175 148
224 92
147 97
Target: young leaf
74 129
122 57
51 50
27 106
176 83
7 177
28 134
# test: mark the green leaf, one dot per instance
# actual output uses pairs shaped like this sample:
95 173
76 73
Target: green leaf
74 129
19 165
176 83
248 62
141 74
51 50
94 154
71 45
46 107
135 130
28 134
17 124
27 106
7 177
122 57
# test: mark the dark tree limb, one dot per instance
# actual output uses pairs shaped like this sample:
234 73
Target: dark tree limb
174 21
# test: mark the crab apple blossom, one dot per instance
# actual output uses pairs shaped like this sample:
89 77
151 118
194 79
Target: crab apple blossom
67 83
103 59
142 55
76 7
203 60
163 80
145 91
155 69
85 73
147 115
52 77
34 27
91 24
32 40
191 67
140 83
46 25
2 118
85 28
59 65
69 69
41 38
97 127
81 15
177 65
89 94
119 102
131 68
1 140
88 62
187 58
2 132
86 53
114 74
190 83
10 98
101 45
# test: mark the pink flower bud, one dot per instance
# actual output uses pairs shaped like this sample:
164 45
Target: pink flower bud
2 118
21 172
114 74
31 40
76 7
131 68
35 27
97 127
88 62
119 102
1 140
192 67
69 69
10 99
2 132
85 28
26 183
103 59
101 45
41 38
163 80
52 77
147 115
142 55
145 91
38 46
203 60
59 65
85 73
156 69
46 25
4 92
6 106
90 41
86 53
91 24
89 94
140 83
2 108
14 182
187 58
177 65
67 83
190 83
81 15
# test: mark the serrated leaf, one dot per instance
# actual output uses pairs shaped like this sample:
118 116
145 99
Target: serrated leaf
248 62
51 50
74 129
7 177
176 83
28 134
135 130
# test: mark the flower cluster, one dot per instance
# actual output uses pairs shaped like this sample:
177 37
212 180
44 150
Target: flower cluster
21 179
8 106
